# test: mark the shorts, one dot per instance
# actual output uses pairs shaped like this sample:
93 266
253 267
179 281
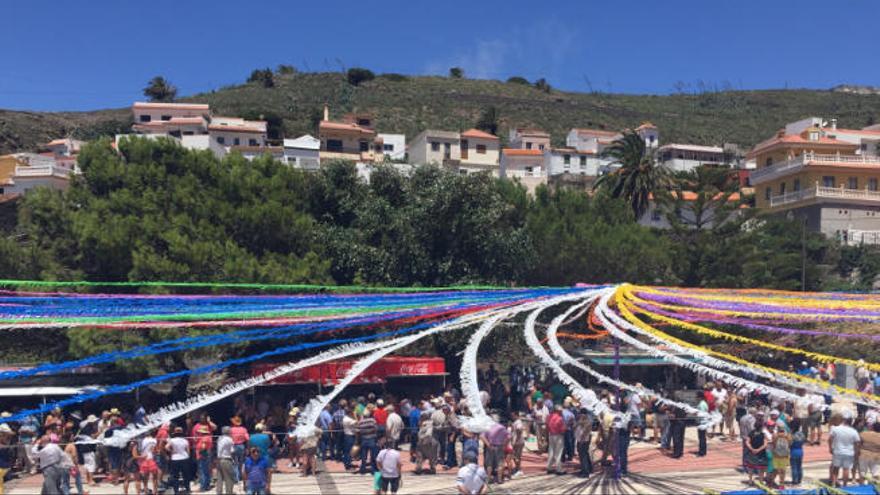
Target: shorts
869 467
394 483
842 461
131 466
780 463
310 451
148 466
89 462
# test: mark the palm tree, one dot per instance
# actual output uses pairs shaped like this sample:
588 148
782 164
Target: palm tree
639 175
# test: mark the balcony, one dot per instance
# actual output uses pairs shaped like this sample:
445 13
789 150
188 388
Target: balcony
797 163
820 192
42 171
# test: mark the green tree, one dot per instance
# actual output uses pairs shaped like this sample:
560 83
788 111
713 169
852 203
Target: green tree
489 120
639 175
456 72
543 85
285 70
264 77
518 80
159 89
356 75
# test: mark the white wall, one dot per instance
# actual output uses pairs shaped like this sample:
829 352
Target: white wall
398 142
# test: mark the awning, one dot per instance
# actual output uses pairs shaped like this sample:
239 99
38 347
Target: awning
41 391
630 361
378 372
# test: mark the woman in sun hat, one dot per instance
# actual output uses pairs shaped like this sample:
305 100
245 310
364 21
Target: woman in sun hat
240 438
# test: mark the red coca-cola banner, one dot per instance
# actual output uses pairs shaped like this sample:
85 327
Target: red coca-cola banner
331 373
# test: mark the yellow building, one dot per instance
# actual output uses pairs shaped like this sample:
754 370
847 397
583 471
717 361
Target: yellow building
824 175
352 139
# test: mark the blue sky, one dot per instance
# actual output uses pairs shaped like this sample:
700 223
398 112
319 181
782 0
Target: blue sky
60 55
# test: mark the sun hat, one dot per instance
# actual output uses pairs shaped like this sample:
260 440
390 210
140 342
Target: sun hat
4 428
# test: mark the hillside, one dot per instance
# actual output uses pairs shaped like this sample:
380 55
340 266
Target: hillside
415 103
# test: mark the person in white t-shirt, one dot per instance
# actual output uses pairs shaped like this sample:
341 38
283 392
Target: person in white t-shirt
390 465
146 459
719 393
843 442
178 449
471 479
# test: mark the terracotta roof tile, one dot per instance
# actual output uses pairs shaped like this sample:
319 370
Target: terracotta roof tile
520 152
476 133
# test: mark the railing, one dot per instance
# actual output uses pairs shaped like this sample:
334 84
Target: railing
42 171
767 173
824 192
856 237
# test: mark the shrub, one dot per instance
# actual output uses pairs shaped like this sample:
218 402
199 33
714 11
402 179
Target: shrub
357 75
394 77
518 80
456 72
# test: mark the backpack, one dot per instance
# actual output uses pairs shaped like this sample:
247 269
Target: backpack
781 447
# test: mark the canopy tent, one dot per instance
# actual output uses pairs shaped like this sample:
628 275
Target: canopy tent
330 373
42 391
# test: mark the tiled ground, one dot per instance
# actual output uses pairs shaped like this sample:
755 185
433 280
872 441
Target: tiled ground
651 472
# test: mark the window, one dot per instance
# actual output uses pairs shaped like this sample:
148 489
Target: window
221 140
828 181
435 146
145 118
852 183
583 161
1 190
236 142
462 171
334 145
363 122
166 117
528 146
363 146
797 185
872 184
481 149
782 188
768 162
447 150
566 159
387 147
529 171
541 147
864 146
767 193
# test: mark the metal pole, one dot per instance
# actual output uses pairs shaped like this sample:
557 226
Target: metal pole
619 407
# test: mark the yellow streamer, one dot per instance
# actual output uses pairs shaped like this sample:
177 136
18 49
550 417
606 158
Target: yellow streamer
629 316
795 302
739 338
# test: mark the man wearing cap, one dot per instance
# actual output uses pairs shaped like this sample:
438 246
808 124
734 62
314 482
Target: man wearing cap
240 438
843 443
49 456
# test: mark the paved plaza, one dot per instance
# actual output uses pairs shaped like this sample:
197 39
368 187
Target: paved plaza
651 471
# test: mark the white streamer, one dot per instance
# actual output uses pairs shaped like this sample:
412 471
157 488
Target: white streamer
708 419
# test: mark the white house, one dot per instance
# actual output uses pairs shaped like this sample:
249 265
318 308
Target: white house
234 131
528 139
393 145
686 157
572 161
435 147
526 166
303 152
479 152
174 119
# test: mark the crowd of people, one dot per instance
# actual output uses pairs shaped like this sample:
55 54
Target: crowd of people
371 435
